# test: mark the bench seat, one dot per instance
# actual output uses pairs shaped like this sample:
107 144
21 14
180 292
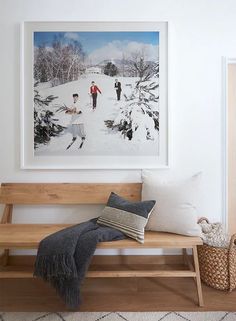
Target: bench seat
28 236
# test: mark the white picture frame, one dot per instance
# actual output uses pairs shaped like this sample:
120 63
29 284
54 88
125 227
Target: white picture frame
30 159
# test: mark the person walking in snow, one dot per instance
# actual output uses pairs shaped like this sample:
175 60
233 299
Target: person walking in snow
118 88
94 93
76 122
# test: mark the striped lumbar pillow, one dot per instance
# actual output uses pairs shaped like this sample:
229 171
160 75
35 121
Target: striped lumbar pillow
128 217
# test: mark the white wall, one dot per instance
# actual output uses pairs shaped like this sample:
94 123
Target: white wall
200 33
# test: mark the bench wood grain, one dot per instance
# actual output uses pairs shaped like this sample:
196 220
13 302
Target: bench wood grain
66 193
22 236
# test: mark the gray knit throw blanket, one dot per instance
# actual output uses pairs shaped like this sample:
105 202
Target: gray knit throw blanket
63 258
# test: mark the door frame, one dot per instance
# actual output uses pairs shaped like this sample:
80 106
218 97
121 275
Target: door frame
225 148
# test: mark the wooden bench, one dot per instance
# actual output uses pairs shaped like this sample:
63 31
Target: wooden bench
28 236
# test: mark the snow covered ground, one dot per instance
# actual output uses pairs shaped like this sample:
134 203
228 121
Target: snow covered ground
99 139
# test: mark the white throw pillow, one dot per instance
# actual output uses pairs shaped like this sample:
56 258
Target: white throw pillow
176 209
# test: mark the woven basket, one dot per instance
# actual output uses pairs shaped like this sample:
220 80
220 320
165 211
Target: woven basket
218 265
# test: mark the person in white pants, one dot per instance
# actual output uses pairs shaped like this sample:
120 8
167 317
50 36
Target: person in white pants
77 121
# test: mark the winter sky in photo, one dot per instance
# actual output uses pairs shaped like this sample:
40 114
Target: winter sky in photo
100 46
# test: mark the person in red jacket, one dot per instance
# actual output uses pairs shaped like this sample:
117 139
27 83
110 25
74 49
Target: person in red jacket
94 93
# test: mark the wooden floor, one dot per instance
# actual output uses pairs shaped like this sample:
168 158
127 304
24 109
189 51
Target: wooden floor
140 294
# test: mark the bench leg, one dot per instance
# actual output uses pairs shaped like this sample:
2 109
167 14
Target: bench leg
184 253
6 219
198 279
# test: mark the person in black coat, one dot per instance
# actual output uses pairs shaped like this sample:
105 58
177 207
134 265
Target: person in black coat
118 89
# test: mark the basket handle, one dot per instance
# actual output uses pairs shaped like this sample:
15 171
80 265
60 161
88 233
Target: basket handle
202 219
232 242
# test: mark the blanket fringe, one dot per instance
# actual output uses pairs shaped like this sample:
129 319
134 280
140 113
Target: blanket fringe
68 290
58 265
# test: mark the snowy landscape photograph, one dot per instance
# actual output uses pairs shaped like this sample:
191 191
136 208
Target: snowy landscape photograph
96 93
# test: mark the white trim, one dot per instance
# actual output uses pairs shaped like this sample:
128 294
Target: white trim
225 62
224 150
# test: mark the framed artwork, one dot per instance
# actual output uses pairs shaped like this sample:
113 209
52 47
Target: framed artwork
94 95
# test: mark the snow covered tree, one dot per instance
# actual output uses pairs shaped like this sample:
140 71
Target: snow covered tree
45 125
41 64
141 67
59 63
110 69
67 60
138 119
155 69
138 63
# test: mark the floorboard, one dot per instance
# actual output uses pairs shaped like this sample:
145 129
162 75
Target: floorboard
129 294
